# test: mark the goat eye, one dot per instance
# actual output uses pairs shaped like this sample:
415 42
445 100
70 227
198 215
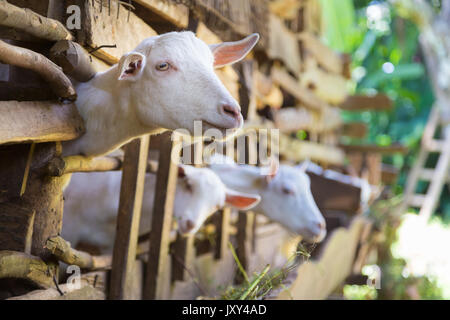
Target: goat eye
288 191
163 66
188 186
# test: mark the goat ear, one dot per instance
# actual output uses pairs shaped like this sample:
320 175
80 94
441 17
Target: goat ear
131 66
231 52
241 201
269 172
303 166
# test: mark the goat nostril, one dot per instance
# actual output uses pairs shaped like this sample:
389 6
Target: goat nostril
189 225
321 225
231 111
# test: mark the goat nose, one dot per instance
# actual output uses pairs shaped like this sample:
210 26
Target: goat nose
190 225
322 225
233 111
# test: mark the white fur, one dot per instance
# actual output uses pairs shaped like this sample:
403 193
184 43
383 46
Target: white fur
116 111
92 200
297 211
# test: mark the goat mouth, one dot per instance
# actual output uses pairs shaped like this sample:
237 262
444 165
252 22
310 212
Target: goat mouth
219 127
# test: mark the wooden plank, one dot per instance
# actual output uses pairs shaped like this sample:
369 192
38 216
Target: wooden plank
329 87
182 253
334 195
389 174
127 230
297 150
114 27
244 239
294 119
327 58
222 223
283 45
166 181
378 102
354 129
305 96
372 148
38 122
175 13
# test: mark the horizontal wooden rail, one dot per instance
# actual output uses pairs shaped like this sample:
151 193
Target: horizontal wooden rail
38 121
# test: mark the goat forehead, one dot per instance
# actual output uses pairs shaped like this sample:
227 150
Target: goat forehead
180 46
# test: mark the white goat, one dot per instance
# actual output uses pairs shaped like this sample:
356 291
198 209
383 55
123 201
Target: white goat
286 195
92 199
167 82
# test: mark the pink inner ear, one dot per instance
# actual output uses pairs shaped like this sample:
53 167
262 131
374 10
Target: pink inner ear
239 201
228 53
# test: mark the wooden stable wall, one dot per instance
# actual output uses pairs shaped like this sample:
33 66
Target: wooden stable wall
33 172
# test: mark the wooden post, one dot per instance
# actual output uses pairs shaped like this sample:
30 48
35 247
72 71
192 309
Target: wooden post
222 223
183 250
127 230
166 181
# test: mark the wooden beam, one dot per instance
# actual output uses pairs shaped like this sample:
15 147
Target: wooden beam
327 58
166 181
354 129
127 225
116 26
284 45
175 13
290 84
371 148
378 102
297 150
182 253
32 23
38 121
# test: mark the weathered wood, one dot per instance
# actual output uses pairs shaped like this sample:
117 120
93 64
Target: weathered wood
368 148
92 287
389 174
161 219
20 265
116 26
378 102
63 251
38 122
60 166
32 23
175 13
290 84
327 58
127 230
73 59
16 227
49 71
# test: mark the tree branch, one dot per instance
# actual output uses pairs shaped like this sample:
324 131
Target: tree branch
28 59
32 23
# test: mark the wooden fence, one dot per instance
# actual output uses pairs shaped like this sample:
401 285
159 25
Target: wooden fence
32 171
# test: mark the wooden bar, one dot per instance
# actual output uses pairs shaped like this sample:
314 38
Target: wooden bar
182 253
305 96
161 220
372 148
378 102
222 223
127 230
176 14
39 122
